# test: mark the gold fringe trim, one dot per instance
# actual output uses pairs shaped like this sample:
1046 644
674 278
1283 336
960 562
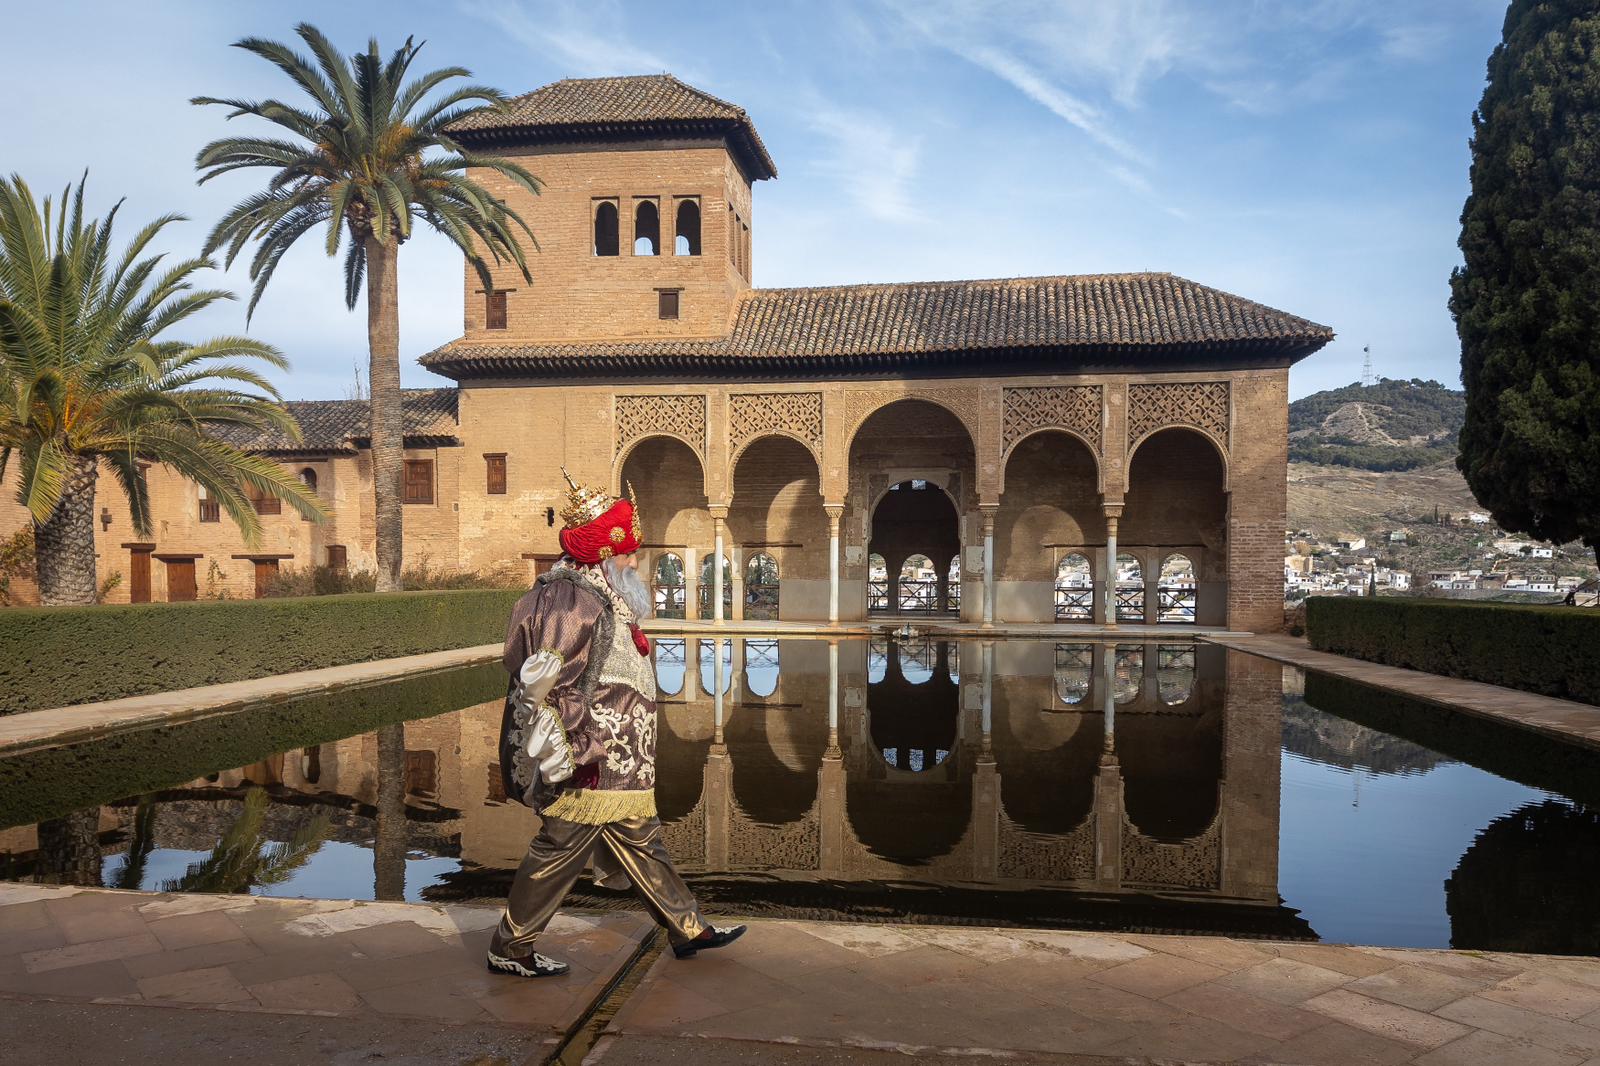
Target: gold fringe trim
593 806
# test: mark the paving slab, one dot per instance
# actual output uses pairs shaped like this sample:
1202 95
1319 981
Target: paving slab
1565 720
841 992
365 963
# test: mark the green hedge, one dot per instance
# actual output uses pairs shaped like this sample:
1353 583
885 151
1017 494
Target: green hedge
1554 651
56 657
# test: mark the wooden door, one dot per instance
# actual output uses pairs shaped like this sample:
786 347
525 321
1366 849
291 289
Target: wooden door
266 573
181 587
138 575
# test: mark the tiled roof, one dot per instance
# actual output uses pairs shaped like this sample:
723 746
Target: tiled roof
582 108
337 425
1061 320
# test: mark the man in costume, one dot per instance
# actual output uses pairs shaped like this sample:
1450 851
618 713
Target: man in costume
578 739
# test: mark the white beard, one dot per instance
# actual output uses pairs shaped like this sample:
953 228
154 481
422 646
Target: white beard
629 586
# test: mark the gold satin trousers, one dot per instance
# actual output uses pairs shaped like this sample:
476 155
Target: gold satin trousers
560 852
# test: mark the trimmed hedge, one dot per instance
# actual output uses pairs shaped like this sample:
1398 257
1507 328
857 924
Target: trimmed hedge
1554 651
60 656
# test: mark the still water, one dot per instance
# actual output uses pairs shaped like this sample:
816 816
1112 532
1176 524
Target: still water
1158 787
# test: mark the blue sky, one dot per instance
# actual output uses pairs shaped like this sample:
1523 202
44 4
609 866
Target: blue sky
1310 154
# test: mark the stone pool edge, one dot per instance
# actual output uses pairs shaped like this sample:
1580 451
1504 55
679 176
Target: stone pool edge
1562 720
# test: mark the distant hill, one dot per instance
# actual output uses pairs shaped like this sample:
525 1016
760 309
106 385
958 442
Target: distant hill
1393 425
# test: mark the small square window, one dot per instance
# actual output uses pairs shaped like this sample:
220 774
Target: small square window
667 303
338 559
494 311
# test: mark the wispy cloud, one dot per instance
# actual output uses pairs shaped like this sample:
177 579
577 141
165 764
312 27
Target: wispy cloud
588 39
875 163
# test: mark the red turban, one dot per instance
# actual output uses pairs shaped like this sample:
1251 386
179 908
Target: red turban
615 532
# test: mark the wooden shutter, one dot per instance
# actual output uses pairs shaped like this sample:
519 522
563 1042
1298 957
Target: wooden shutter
181 587
496 468
266 572
265 504
494 309
139 575
337 557
419 481
422 773
667 303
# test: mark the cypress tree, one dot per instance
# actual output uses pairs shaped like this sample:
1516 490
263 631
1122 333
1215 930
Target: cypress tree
1527 301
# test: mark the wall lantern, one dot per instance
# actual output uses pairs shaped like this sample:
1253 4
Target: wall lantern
550 516
105 518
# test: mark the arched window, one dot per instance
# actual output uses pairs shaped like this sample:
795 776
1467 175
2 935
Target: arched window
646 228
1128 672
1074 589
1130 589
706 588
308 478
1074 672
761 587
668 586
210 508
1174 673
688 242
952 587
917 660
670 665
877 583
605 229
1176 590
761 667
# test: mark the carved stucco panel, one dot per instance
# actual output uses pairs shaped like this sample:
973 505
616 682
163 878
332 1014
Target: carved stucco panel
1071 407
676 414
752 415
1200 404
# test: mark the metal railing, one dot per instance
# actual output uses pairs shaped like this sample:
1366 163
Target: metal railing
669 601
1175 604
761 602
1074 604
919 596
1130 603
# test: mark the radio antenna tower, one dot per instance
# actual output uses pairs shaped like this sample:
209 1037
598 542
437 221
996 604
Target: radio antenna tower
1367 377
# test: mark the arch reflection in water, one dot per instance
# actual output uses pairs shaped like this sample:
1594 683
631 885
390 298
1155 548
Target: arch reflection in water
1015 789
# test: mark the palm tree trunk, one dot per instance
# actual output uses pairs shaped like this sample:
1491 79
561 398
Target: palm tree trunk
388 433
69 849
64 545
389 842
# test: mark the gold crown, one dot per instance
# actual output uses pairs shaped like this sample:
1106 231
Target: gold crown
583 505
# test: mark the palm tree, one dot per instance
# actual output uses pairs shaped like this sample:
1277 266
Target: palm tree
368 152
86 381
243 858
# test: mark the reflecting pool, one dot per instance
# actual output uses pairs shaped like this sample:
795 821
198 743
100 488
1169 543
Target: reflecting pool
1170 787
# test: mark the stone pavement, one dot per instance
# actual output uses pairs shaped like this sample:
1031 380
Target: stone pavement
85 975
1079 997
376 971
1564 720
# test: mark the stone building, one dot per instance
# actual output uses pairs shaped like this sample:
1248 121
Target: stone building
1072 448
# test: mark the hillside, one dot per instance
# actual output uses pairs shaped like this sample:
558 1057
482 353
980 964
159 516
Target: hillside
1392 425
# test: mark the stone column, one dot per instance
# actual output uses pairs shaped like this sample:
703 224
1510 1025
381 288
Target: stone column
719 517
736 575
833 699
1113 514
988 511
1108 785
988 694
835 516
716 686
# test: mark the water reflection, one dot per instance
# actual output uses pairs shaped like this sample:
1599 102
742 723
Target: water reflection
1123 785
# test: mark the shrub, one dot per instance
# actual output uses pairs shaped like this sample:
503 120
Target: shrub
57 657
1554 651
329 581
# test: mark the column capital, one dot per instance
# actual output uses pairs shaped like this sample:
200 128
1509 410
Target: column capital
719 512
989 510
1112 510
834 510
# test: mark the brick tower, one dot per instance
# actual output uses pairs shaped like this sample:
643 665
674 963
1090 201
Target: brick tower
644 221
